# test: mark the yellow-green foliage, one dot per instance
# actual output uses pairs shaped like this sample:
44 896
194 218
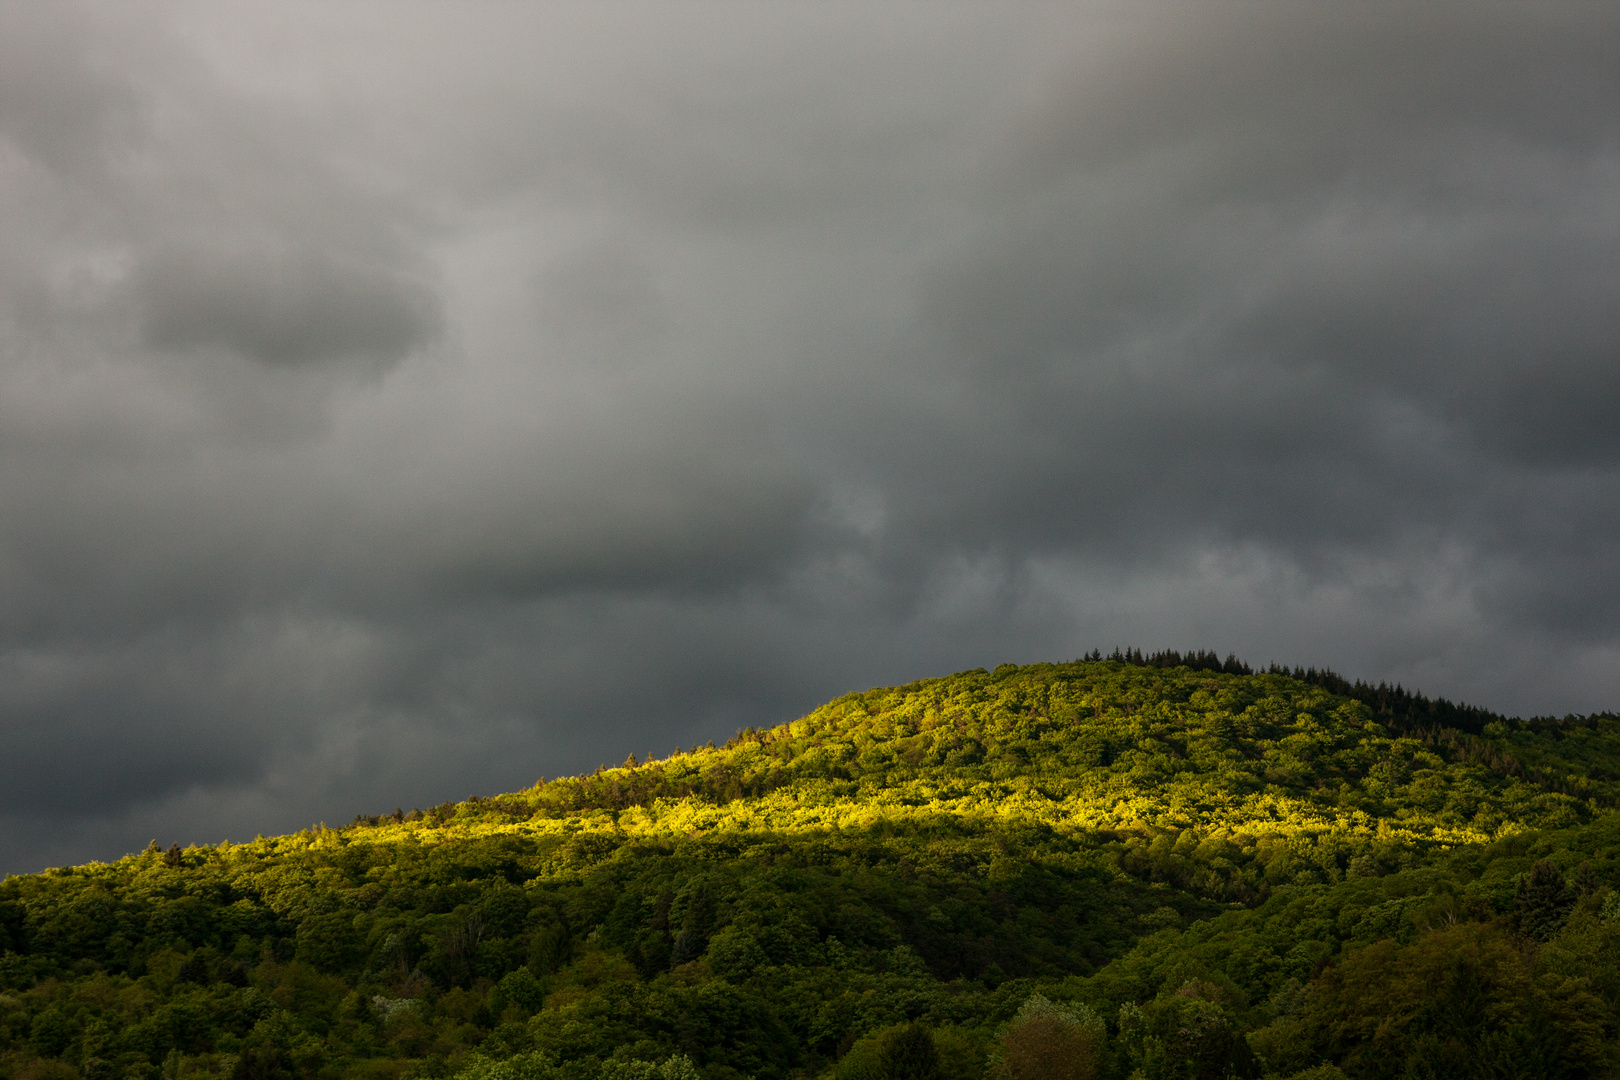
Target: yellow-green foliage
1232 767
1237 857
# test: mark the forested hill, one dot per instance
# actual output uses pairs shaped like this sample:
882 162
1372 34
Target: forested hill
1108 868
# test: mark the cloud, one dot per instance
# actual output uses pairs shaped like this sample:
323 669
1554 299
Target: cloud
91 732
293 309
601 306
390 412
1302 279
58 103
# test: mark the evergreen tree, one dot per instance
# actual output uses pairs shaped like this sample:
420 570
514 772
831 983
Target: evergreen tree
1542 902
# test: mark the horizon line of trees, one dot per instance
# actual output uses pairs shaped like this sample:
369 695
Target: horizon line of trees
1404 710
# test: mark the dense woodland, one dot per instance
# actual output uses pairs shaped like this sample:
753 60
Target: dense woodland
1141 866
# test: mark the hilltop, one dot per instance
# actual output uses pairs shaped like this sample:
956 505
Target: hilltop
1178 865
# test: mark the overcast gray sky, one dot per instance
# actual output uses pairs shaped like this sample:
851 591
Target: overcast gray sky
402 401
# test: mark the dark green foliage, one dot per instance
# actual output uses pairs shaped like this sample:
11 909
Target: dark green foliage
908 1053
518 990
1187 1035
1543 901
1466 1000
1160 864
259 1064
329 942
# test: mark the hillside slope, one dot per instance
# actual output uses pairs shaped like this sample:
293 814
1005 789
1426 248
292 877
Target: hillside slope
1211 874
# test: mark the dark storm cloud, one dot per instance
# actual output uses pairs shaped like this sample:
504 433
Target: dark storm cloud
399 407
90 737
1295 277
295 309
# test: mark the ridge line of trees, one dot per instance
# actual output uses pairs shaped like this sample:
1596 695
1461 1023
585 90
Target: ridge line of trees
1396 707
